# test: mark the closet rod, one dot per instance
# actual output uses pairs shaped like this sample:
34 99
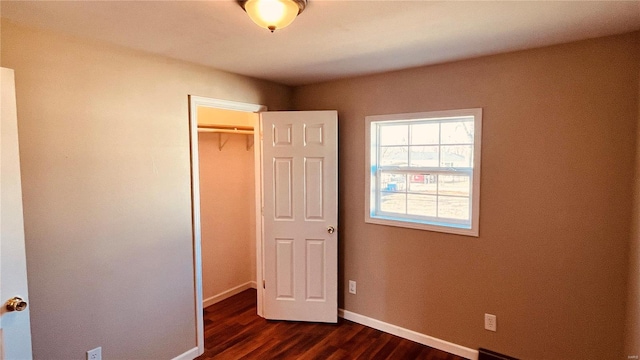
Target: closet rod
225 131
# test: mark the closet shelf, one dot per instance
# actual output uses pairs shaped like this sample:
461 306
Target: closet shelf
226 130
248 131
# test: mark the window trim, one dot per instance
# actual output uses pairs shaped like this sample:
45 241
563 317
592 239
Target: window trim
475 186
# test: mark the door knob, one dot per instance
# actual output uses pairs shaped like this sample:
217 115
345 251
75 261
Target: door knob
331 229
16 304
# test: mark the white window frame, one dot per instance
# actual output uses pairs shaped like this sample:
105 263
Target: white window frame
373 216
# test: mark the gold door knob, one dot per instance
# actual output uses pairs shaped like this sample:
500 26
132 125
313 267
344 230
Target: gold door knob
331 229
16 304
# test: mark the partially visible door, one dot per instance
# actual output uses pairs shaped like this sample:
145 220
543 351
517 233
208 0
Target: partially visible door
15 329
300 215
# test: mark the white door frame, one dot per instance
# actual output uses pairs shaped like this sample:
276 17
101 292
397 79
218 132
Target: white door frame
194 103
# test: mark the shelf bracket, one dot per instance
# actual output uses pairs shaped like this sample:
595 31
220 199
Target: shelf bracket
221 144
249 142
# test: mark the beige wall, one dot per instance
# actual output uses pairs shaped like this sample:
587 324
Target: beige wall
227 203
104 147
559 129
633 296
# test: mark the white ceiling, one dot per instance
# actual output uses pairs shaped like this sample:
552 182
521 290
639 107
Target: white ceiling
332 38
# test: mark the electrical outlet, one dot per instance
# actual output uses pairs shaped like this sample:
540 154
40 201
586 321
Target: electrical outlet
352 287
95 354
490 322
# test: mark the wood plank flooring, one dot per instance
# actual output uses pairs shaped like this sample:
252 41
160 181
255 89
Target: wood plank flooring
233 330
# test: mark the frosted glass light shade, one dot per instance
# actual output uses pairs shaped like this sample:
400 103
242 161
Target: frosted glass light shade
272 14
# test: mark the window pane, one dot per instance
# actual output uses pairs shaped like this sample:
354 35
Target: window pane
393 202
393 182
453 208
458 132
394 156
425 134
394 134
423 183
456 156
422 205
454 185
424 156
422 170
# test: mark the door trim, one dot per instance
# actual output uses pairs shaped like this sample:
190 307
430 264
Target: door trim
194 103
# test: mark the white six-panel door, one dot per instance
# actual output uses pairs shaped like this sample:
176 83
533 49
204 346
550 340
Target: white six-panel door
300 215
15 326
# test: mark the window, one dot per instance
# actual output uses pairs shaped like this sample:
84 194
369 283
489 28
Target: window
423 170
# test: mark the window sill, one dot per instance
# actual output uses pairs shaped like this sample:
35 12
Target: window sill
449 229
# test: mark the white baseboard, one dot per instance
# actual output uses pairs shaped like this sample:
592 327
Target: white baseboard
423 339
228 293
188 355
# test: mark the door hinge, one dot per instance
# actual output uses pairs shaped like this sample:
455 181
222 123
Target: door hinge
264 284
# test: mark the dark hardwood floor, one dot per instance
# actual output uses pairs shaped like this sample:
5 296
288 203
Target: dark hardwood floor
233 330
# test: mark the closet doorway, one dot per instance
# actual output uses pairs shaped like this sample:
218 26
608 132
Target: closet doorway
226 183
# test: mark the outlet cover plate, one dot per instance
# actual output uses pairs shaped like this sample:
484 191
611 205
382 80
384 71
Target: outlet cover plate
490 322
95 354
352 287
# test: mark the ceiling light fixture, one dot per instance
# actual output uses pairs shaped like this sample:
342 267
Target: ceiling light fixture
273 14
